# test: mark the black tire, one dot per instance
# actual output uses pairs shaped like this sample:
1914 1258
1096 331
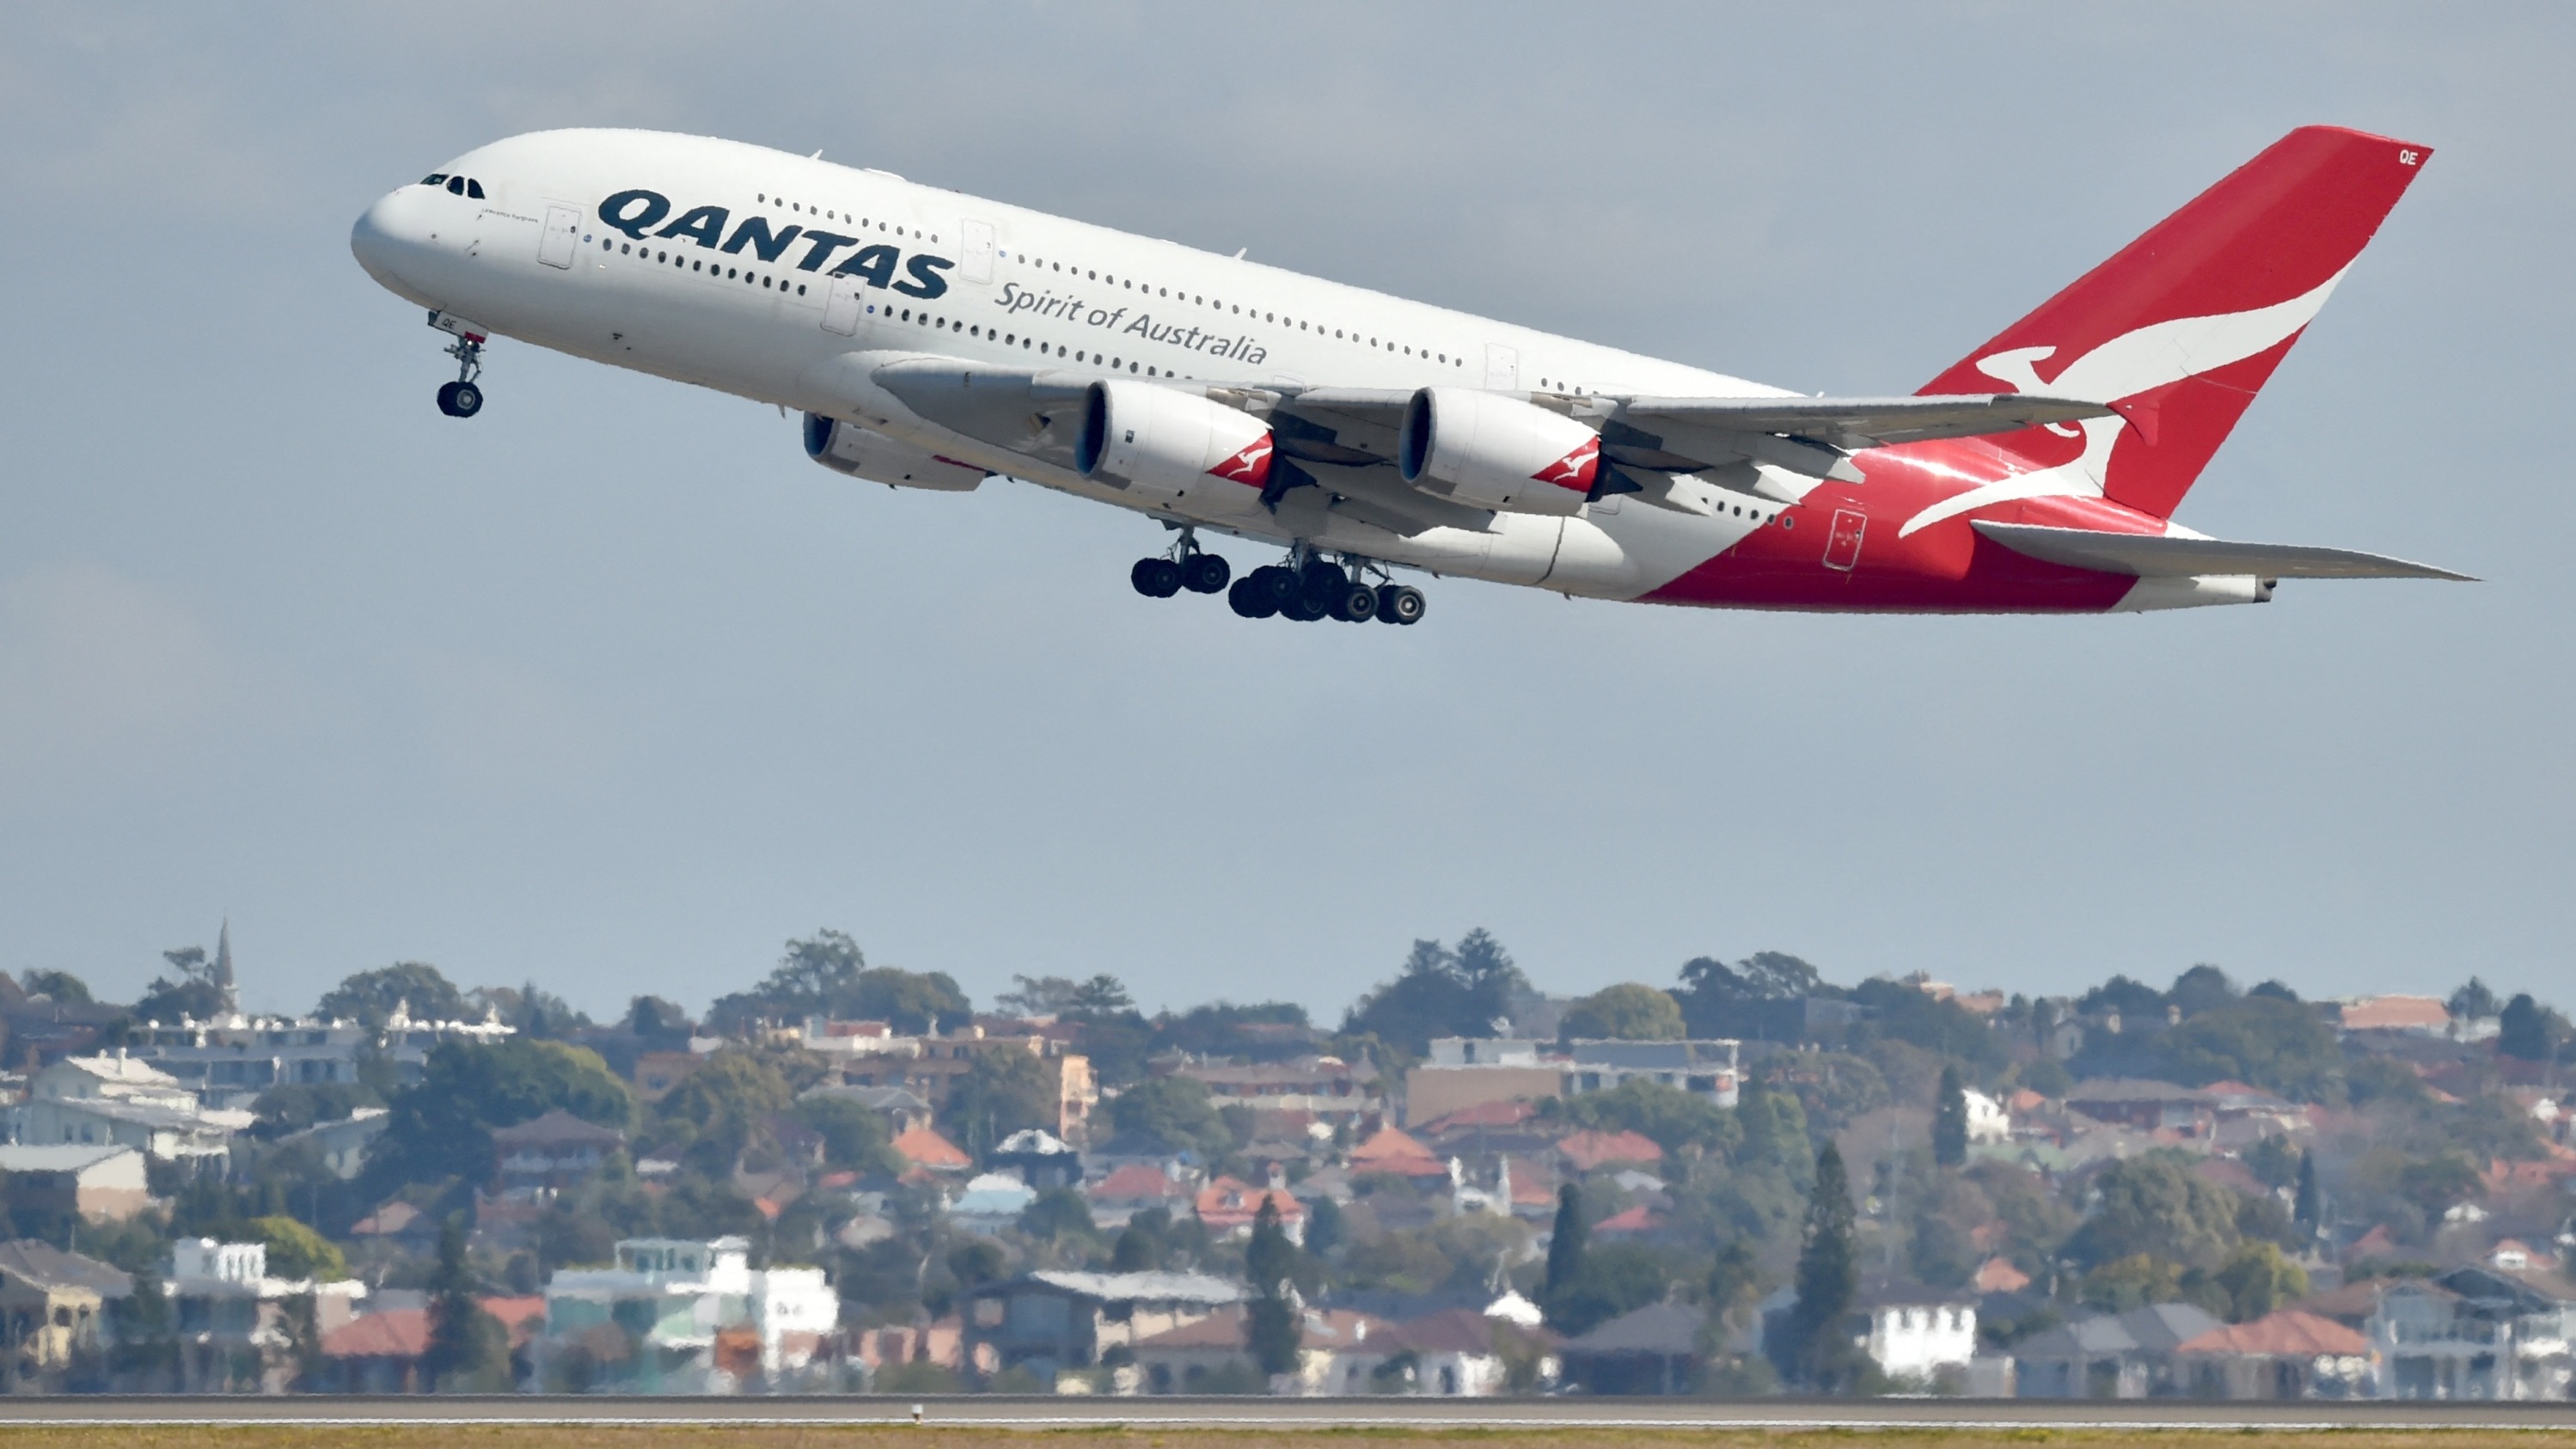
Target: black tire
447 397
1357 605
1249 601
1303 609
1281 585
1206 573
1322 576
465 401
1386 603
1405 608
1155 578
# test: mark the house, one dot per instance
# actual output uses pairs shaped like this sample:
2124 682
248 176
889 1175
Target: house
1228 1206
1590 1152
538 1159
1998 1275
1338 1352
673 1297
934 1066
903 1109
1651 1350
1704 1069
122 1099
376 1353
991 1202
1987 1119
2288 1354
1392 1150
2416 1015
2143 1106
2111 1355
226 1062
1040 1158
1466 1073
1465 1352
2473 1333
97 1183
1049 1321
343 1145
1327 1087
927 1151
1133 1189
54 1312
230 1315
1914 1333
657 1072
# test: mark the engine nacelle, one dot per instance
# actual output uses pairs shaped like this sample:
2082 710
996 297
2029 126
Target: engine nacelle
1495 451
1167 442
880 459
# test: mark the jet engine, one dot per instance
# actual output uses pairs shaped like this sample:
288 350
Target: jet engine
1496 451
1167 442
880 459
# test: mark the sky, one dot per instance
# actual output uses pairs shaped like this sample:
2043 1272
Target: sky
612 689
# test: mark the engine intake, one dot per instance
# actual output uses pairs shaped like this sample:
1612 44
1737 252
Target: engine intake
1496 451
880 459
1167 442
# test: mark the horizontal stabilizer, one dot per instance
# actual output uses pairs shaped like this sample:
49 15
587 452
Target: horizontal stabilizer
2160 556
1867 422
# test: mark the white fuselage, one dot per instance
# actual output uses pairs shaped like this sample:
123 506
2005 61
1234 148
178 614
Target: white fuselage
789 280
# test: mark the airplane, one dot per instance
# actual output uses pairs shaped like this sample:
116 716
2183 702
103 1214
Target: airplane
933 340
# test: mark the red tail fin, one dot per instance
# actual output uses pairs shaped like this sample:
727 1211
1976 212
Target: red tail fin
2182 326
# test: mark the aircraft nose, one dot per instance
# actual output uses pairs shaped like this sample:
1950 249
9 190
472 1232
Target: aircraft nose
384 233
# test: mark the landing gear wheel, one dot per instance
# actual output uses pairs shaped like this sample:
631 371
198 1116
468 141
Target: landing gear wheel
460 399
1399 604
1303 609
1357 603
1155 578
1281 586
1249 600
1205 573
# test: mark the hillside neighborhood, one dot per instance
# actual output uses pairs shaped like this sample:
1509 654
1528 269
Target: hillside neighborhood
846 1177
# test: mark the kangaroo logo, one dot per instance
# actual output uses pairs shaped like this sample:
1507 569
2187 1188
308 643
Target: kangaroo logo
2157 355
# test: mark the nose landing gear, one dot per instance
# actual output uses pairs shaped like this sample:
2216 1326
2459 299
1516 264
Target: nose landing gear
462 398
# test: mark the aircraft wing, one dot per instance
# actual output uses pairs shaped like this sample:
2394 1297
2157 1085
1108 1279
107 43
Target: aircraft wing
1865 422
2155 556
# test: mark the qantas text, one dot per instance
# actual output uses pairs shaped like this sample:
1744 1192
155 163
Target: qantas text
636 213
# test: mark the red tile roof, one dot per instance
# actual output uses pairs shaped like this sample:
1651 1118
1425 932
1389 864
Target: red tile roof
1998 1275
1589 1150
2288 1333
1510 1112
1230 1202
924 1148
1138 1180
1638 1219
2396 1013
392 1333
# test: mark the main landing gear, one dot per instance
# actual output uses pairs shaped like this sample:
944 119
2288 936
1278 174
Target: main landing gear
1318 588
1183 568
463 398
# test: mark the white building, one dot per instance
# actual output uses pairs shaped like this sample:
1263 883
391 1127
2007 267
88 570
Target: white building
102 1183
229 1060
121 1100
1987 1119
1918 1337
676 1295
230 1315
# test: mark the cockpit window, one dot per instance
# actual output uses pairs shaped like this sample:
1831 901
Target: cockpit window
433 178
456 184
474 188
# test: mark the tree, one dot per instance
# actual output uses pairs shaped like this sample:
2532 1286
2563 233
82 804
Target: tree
1441 992
2473 1001
469 1350
2306 1209
2524 1030
2157 1206
1062 996
722 1107
296 1251
2202 988
1629 1011
369 997
829 976
59 987
1675 1119
1819 1353
529 1010
189 990
2136 1001
1177 1110
1004 1092
1270 1261
1900 1012
2277 1045
2256 1279
657 1020
1950 1120
441 1127
1762 996
853 1135
1565 1246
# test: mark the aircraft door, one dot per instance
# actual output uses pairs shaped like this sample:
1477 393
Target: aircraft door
1502 367
977 264
841 306
1842 542
555 244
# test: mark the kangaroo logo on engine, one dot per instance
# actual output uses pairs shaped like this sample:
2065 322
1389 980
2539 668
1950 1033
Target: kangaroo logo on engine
640 214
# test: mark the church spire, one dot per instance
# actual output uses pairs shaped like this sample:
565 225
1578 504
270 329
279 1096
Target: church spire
224 970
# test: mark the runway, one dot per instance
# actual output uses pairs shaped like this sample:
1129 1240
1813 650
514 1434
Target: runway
1035 1413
